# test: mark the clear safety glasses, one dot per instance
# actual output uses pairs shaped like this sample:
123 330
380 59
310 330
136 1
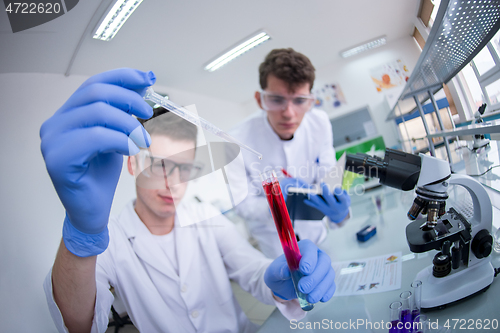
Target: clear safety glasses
154 166
277 102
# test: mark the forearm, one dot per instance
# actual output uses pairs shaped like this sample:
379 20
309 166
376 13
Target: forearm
74 289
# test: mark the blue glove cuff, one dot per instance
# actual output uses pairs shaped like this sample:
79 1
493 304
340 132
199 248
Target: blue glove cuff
282 297
82 244
339 220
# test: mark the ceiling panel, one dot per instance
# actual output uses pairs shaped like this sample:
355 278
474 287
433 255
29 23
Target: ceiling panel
176 39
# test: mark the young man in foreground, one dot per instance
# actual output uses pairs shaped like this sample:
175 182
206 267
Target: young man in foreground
170 278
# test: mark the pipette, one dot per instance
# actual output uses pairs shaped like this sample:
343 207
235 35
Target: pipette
154 97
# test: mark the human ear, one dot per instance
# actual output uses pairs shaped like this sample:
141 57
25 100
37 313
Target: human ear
257 98
129 164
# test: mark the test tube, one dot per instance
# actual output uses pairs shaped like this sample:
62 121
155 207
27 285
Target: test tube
286 234
421 324
406 298
377 202
417 296
395 316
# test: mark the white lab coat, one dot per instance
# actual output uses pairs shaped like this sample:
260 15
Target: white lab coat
200 298
309 155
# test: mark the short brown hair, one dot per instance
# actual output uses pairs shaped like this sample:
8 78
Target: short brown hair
287 65
164 122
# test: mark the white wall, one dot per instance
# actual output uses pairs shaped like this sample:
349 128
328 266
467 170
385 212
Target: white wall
31 213
353 76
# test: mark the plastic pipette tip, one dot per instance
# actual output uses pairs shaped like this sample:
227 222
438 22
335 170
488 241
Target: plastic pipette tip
151 95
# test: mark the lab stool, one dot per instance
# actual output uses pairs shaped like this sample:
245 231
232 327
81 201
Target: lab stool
118 316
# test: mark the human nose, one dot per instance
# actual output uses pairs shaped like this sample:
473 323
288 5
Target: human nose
288 110
174 176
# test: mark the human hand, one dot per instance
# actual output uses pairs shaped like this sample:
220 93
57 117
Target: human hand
289 182
83 144
318 282
334 205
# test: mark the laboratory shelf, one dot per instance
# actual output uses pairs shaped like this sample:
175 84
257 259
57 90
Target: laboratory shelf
461 29
482 128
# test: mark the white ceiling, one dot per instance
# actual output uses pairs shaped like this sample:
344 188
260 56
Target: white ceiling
176 39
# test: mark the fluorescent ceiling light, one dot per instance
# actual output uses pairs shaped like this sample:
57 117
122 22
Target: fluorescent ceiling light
116 17
238 50
379 41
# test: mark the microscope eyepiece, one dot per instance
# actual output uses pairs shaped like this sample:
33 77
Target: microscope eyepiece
398 169
363 164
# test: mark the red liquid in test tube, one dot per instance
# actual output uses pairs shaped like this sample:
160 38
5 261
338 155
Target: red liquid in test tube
285 231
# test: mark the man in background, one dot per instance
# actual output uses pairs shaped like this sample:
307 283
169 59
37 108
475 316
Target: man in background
294 137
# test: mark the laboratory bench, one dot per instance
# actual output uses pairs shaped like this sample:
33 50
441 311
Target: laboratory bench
387 208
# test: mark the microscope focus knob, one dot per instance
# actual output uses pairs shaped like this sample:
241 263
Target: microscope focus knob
482 244
442 265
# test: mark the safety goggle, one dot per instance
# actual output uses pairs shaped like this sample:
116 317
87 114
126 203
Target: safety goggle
276 102
154 166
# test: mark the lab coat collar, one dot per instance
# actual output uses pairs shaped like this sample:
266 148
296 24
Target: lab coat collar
186 246
149 250
269 129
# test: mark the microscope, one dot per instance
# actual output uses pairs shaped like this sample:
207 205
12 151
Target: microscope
479 139
462 267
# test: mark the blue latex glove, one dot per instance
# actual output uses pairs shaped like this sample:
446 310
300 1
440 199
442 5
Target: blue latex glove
318 282
83 145
287 182
334 205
